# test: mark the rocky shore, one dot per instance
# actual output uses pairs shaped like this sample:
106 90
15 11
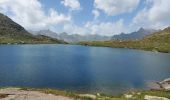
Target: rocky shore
163 93
19 94
165 84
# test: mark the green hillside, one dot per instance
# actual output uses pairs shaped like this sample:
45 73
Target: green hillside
13 33
159 41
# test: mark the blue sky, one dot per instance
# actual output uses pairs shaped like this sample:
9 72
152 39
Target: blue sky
80 16
103 17
85 13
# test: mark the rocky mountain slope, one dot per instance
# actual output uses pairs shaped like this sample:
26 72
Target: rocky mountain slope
71 37
141 33
158 41
11 32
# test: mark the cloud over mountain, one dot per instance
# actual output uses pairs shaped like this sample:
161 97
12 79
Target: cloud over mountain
104 17
31 15
154 15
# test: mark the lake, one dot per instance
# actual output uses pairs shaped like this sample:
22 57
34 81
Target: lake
81 68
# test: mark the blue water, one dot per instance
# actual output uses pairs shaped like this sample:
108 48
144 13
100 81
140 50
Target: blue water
81 68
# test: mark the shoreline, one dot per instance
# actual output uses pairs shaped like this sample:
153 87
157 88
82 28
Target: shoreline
39 94
155 51
16 93
128 44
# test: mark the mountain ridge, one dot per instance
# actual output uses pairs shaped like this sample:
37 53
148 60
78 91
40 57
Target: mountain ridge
71 37
137 35
158 41
13 33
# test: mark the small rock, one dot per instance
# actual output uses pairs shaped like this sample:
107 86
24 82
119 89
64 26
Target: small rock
88 95
128 96
17 94
138 93
165 84
153 85
98 94
148 97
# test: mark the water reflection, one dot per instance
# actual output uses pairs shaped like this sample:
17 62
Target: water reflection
80 68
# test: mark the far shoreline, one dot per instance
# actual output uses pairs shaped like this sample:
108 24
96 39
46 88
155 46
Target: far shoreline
157 51
154 51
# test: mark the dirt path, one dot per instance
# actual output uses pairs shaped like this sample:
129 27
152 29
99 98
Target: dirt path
17 94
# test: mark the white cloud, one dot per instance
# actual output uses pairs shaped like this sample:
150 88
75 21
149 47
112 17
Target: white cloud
115 7
102 28
96 13
154 15
106 28
72 4
2 1
30 14
71 28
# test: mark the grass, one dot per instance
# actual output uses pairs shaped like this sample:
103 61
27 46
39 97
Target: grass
141 94
36 40
138 95
160 47
159 41
59 92
13 33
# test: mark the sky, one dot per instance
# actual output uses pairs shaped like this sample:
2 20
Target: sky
102 17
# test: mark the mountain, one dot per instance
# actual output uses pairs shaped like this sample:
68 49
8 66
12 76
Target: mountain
9 28
159 38
45 33
141 33
11 32
78 38
71 37
158 41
